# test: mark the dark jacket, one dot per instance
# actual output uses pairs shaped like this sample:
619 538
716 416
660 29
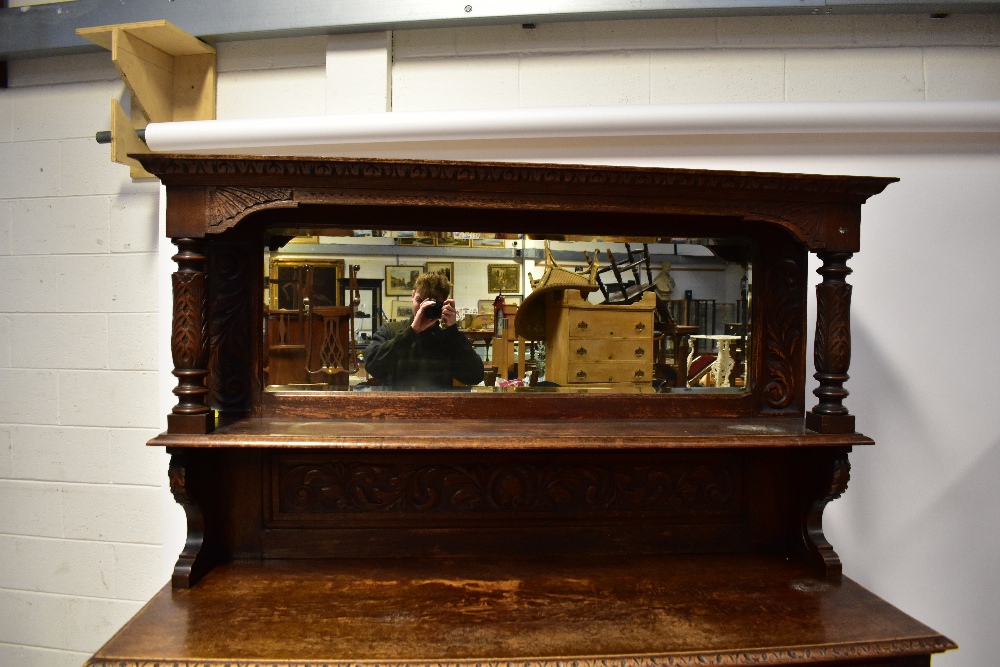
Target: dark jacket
402 358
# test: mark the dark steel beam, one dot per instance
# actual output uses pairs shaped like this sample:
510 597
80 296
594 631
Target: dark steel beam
50 29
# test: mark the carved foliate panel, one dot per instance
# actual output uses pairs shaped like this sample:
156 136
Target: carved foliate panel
350 489
783 336
235 270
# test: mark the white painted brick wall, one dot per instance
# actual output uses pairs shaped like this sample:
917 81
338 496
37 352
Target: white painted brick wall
116 283
6 217
134 220
115 513
272 78
585 79
39 657
55 70
58 340
132 341
782 31
681 76
30 283
459 83
6 102
6 453
78 351
83 498
40 113
29 169
4 341
60 225
962 73
260 94
31 508
922 30
272 54
358 73
108 398
82 454
29 396
839 75
711 60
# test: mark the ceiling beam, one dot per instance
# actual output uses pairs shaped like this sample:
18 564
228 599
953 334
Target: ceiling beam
50 29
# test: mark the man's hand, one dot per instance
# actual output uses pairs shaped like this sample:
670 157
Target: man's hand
448 313
421 322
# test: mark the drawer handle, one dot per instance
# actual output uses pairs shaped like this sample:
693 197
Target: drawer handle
639 373
582 375
581 351
582 326
639 351
640 327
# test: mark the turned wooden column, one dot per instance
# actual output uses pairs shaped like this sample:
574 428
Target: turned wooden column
832 346
189 340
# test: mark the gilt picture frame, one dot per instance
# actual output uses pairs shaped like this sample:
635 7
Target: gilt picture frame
503 278
447 268
400 309
399 279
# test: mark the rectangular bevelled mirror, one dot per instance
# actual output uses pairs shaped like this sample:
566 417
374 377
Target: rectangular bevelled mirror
539 313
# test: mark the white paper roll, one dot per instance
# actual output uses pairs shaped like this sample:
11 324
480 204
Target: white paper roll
638 120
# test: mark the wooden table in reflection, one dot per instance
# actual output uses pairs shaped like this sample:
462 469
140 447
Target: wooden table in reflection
484 336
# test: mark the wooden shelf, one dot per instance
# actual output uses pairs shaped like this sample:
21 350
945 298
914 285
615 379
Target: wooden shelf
509 434
676 610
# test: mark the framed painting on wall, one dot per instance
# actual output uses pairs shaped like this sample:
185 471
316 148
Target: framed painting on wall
489 243
293 278
399 279
503 278
400 309
447 268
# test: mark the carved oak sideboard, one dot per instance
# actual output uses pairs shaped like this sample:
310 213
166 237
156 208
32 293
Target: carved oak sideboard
533 526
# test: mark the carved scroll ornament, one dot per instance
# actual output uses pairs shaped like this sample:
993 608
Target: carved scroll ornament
341 488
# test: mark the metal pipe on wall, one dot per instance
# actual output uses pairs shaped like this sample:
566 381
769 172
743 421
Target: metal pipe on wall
269 135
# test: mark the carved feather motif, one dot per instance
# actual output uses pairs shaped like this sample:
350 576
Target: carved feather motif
226 204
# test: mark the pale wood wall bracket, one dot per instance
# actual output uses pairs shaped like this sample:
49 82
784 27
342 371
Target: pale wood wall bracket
170 75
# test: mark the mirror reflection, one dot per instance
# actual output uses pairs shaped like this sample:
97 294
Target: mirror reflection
362 310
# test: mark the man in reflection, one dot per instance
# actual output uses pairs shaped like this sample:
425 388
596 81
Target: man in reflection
427 352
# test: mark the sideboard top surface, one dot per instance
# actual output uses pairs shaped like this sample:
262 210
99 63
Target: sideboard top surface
636 611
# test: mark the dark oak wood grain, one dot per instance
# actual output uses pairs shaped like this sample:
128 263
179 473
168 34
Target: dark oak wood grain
531 528
633 611
509 434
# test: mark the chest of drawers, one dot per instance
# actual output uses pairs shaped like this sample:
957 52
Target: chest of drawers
589 343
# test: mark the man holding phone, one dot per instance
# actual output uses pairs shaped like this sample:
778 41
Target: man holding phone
427 352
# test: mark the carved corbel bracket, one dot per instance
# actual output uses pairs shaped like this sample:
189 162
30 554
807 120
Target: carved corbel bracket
192 563
830 473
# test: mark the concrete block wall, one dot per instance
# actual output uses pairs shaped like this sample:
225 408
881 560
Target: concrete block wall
772 59
85 512
80 526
